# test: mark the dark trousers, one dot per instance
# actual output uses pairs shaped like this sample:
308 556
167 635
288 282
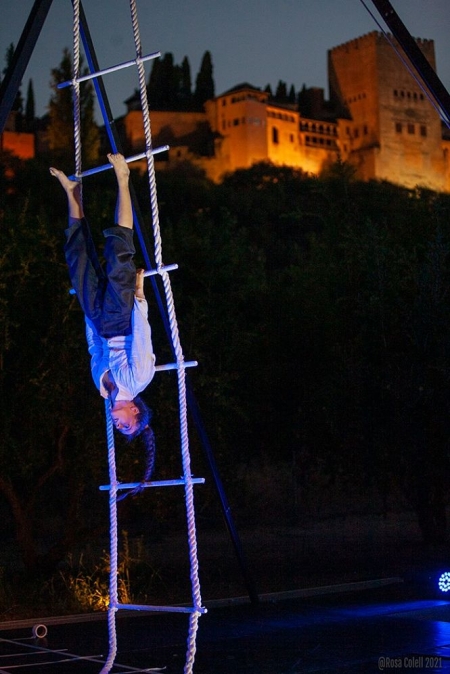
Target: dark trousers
106 295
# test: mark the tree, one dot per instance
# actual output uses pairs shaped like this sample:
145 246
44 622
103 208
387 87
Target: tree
44 440
292 95
164 85
17 106
30 108
185 86
60 131
281 92
154 85
204 83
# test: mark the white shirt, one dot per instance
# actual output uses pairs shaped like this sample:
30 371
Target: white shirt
130 359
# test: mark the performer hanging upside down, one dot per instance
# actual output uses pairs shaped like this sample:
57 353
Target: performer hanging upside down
117 329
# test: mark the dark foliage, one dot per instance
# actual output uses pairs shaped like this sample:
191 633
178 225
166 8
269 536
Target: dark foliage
317 308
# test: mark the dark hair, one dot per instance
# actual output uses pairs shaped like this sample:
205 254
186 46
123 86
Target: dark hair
145 432
143 417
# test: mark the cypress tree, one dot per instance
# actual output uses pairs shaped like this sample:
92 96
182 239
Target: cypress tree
60 134
153 86
268 90
281 92
164 83
204 84
292 96
30 107
185 88
17 106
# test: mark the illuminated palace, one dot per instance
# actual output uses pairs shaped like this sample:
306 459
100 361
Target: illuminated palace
377 118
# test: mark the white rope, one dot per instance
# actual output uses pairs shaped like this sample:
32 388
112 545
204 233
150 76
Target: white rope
76 87
113 556
113 596
189 491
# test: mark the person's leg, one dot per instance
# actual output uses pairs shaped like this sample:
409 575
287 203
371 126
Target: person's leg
85 272
119 251
72 189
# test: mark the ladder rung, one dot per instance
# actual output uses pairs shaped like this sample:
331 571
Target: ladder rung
174 366
119 66
161 270
150 272
106 167
156 483
171 609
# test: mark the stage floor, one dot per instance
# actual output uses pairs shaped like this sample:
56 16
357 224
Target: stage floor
402 627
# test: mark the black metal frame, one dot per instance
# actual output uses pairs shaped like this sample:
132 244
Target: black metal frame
429 77
13 77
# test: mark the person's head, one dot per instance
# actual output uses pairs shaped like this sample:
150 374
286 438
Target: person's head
133 420
130 417
125 417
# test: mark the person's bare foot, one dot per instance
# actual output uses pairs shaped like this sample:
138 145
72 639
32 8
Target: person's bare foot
140 284
119 165
68 185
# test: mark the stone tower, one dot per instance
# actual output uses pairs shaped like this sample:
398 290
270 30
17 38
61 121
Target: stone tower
395 132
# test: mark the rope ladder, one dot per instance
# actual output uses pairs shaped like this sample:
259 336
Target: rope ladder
179 365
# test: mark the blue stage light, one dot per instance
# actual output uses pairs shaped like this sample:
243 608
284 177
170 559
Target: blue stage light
444 582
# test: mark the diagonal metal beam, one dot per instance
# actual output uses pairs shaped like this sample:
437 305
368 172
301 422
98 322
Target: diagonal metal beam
434 85
14 75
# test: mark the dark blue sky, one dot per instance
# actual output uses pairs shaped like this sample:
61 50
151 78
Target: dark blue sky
257 41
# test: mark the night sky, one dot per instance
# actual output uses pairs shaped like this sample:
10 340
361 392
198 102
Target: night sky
256 41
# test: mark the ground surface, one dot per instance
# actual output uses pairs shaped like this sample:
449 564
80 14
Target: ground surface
403 625
280 558
397 627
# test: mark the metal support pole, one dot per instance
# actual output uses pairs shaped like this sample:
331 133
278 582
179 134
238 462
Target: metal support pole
415 56
14 75
226 510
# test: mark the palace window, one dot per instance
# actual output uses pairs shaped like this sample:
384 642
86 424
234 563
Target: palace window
398 127
275 138
411 129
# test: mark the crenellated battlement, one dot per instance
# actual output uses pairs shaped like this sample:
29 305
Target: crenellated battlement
357 43
374 37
